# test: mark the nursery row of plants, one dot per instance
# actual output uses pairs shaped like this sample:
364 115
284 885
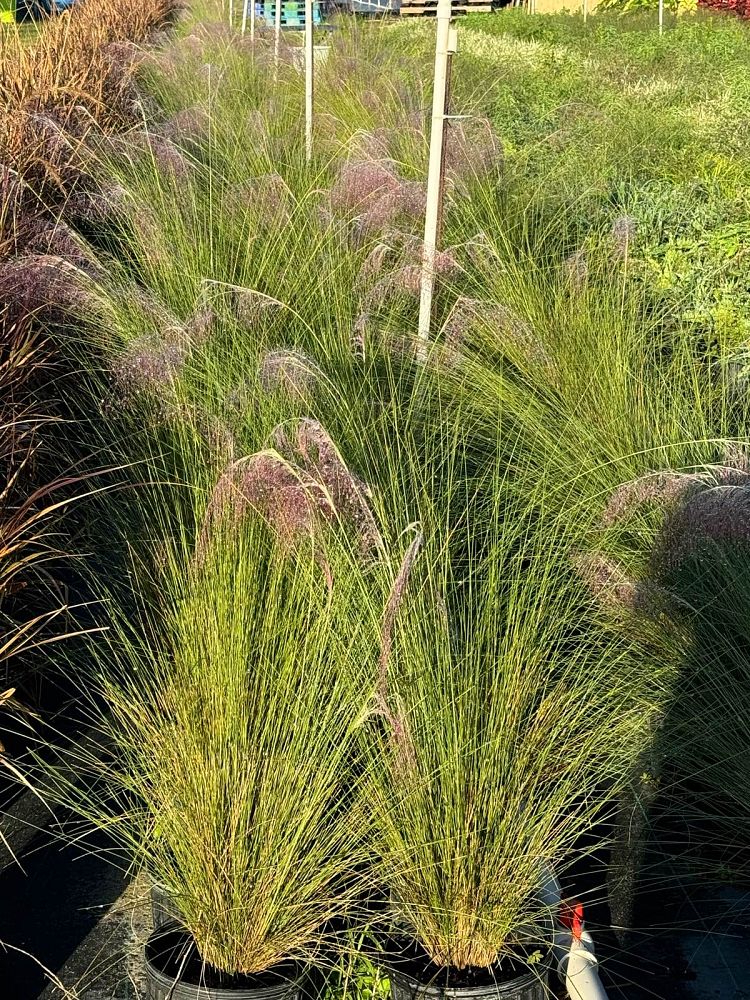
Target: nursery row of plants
374 640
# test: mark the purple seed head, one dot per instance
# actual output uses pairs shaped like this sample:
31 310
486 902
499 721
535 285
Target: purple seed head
199 326
623 232
324 463
190 125
168 159
40 282
359 334
576 268
473 150
359 185
711 518
148 365
406 281
511 332
288 371
97 206
374 263
664 488
609 584
274 488
251 306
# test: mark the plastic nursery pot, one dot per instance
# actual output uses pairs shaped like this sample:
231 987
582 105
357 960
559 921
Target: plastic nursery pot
163 908
513 980
175 971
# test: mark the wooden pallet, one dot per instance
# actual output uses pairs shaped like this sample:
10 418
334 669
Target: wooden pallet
428 8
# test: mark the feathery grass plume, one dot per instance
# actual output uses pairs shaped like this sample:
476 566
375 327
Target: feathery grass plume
168 159
149 365
372 146
106 204
623 233
200 325
291 501
188 127
42 282
473 150
288 371
499 322
266 196
406 201
607 581
576 268
358 337
406 280
350 496
375 262
56 239
665 488
359 184
704 524
251 306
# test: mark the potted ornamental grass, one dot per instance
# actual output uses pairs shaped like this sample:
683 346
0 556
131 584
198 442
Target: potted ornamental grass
226 767
509 715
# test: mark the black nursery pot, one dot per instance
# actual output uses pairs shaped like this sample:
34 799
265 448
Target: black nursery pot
415 977
175 971
163 908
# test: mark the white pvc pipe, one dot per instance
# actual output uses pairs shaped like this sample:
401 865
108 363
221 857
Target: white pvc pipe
309 79
582 971
435 168
574 953
244 15
661 17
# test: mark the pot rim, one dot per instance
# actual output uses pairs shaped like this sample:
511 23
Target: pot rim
260 992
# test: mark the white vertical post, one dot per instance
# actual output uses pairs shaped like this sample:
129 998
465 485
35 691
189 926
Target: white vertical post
244 15
661 17
444 47
252 22
309 79
276 39
585 11
231 12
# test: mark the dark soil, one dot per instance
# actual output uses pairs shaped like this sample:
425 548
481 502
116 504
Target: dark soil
174 953
410 960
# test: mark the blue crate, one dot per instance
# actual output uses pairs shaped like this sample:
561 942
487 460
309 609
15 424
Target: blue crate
292 13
